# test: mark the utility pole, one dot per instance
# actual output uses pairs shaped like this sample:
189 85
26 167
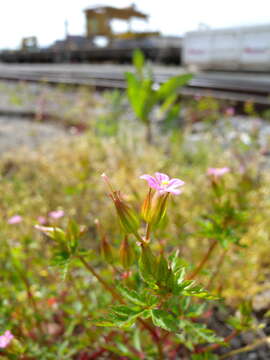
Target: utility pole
66 28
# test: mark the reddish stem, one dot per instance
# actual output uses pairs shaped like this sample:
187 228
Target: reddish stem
203 261
216 346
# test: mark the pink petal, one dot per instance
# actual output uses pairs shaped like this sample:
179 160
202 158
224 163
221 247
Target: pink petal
152 182
5 339
174 191
161 177
16 219
176 183
57 214
218 171
42 220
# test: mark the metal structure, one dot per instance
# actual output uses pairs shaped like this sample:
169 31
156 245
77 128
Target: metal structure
98 21
29 43
239 87
120 46
241 49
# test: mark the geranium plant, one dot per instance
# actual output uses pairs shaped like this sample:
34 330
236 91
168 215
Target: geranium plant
157 304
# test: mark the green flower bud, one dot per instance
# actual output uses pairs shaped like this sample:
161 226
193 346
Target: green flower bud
127 216
126 253
106 249
154 208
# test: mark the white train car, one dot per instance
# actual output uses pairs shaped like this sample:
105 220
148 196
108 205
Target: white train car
241 49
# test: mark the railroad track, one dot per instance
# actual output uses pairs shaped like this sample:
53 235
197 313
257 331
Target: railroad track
232 86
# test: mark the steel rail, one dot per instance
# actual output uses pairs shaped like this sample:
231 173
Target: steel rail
233 86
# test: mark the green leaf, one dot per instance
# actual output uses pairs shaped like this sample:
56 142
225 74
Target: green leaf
196 333
165 320
138 61
131 295
162 270
148 265
172 85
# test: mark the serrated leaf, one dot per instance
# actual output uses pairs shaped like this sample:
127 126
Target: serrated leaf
123 316
165 320
196 333
162 269
180 275
131 295
199 291
148 265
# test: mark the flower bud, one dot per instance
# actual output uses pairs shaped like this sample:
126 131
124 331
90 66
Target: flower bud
146 207
127 216
154 208
126 253
106 249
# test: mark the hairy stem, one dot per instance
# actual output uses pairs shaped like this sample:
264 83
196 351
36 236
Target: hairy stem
216 346
203 261
218 267
147 234
100 279
115 295
31 300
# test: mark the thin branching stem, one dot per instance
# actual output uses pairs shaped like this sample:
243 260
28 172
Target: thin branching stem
218 267
216 346
203 261
115 295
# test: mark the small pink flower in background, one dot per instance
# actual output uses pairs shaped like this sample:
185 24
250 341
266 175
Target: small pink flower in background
230 111
57 214
218 172
5 339
163 184
16 219
42 220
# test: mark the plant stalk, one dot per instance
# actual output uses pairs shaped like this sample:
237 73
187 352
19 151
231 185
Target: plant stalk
115 295
203 261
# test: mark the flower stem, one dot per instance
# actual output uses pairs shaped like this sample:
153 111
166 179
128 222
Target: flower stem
100 279
203 261
216 346
218 268
115 295
148 230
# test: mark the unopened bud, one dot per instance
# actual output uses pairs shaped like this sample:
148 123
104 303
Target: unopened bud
154 208
146 207
106 249
126 253
127 216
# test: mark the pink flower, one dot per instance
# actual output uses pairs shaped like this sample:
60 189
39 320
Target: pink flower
16 219
163 184
5 339
42 220
217 172
57 214
230 111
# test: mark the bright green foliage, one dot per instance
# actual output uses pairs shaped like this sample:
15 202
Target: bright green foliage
144 94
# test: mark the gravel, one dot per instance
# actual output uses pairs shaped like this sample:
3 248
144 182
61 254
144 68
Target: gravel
16 133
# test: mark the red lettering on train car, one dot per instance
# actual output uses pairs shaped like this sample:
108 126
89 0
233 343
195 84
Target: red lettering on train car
195 51
250 50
